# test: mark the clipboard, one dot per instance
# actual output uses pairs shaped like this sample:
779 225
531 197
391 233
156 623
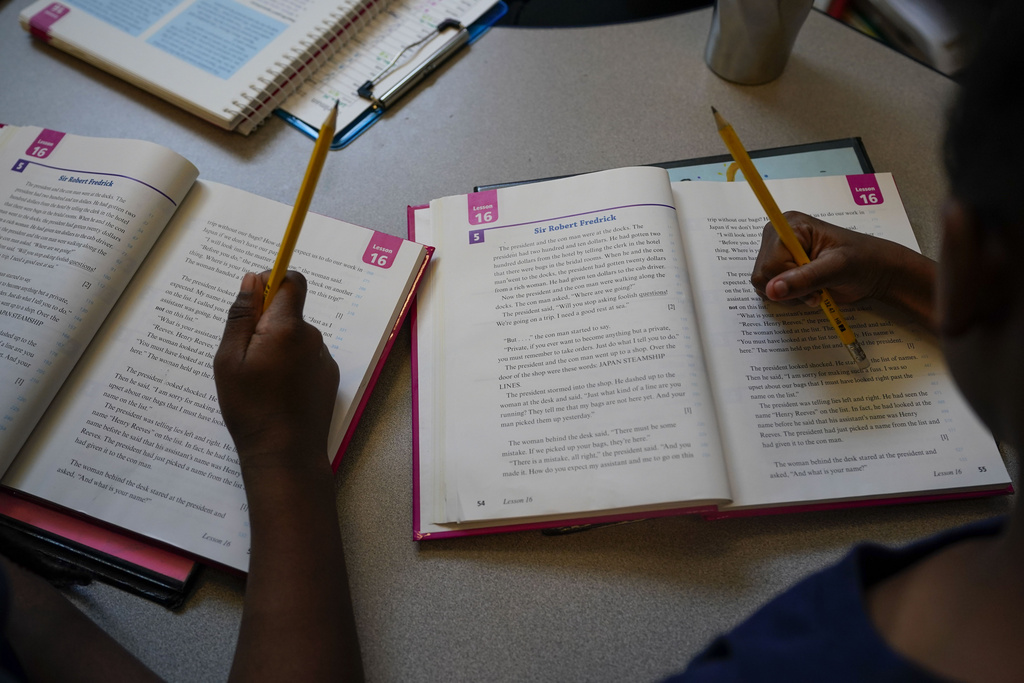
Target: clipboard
380 99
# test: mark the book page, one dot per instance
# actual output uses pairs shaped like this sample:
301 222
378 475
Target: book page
77 216
367 55
569 377
799 422
224 60
135 438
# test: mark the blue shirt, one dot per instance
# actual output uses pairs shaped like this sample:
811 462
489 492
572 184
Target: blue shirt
10 668
820 629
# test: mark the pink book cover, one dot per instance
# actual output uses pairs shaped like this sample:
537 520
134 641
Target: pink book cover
93 536
128 562
407 306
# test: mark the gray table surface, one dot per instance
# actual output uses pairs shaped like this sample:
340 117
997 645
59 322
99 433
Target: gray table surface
632 602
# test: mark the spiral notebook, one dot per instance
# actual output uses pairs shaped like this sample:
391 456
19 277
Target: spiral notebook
233 62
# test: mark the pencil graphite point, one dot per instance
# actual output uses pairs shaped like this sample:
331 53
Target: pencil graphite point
858 355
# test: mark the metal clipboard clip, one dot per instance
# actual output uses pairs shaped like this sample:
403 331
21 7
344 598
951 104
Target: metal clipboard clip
465 35
382 102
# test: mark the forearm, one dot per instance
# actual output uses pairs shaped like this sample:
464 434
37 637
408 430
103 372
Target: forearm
55 641
297 622
911 286
277 384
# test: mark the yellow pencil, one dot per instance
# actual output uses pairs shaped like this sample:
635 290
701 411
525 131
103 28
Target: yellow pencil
786 234
301 208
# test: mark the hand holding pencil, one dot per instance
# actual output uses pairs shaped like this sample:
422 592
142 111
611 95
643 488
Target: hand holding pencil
301 208
787 236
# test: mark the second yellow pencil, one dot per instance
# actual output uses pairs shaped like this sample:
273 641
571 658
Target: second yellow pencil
301 208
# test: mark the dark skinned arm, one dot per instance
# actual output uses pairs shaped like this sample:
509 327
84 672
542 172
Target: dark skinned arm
276 384
851 265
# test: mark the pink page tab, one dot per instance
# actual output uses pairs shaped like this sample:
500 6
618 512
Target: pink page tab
44 144
39 25
483 207
865 189
381 250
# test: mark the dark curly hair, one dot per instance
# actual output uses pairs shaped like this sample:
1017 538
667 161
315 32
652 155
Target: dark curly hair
984 137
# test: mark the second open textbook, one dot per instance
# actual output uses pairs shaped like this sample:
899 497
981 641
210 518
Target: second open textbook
117 269
591 349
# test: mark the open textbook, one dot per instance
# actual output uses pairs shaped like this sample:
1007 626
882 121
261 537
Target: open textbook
232 62
591 349
117 268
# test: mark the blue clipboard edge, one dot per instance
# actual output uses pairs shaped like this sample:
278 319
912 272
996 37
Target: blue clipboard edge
369 116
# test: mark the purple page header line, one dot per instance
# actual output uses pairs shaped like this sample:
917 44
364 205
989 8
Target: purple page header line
112 175
571 215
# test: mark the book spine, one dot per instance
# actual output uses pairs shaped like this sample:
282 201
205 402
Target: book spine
252 106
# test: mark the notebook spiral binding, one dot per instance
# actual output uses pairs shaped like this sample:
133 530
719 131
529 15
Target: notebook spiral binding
256 103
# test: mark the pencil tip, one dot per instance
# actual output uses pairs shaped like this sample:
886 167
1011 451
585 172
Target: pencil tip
713 110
